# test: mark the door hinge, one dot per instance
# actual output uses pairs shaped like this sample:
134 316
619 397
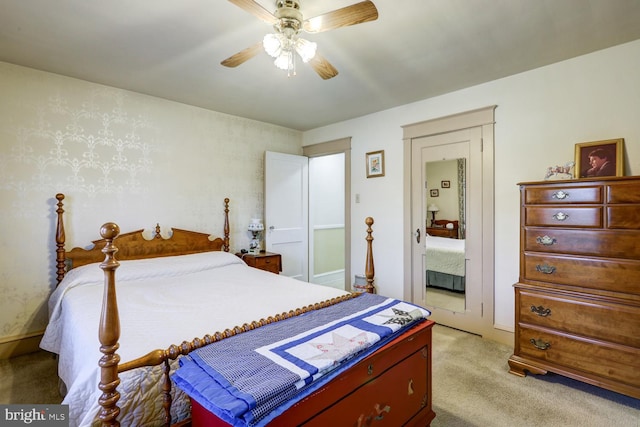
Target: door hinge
481 145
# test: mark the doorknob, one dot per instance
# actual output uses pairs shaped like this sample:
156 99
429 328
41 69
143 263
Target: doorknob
272 228
417 234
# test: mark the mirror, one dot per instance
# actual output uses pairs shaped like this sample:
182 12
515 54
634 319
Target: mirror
444 213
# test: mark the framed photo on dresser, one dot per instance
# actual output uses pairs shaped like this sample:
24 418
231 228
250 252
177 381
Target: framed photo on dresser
600 158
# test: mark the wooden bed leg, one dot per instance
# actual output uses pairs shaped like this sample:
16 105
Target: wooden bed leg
60 239
369 270
109 332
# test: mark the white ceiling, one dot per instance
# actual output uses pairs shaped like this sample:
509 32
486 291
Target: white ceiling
415 50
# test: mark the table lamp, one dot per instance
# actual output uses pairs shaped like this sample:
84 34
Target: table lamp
433 209
255 227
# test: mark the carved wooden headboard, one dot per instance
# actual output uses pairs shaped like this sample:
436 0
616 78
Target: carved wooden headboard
133 245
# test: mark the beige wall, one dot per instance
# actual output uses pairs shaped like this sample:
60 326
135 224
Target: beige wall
540 116
328 250
118 156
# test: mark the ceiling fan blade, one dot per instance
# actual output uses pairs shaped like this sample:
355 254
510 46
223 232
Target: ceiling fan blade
358 13
323 67
256 10
243 55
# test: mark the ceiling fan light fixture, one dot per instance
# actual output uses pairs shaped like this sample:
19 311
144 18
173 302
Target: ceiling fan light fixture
306 49
286 61
272 44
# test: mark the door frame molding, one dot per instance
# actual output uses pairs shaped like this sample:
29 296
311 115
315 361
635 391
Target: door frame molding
485 119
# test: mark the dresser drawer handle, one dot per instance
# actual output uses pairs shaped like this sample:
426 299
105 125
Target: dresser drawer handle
539 344
545 269
560 195
541 311
546 240
560 216
379 411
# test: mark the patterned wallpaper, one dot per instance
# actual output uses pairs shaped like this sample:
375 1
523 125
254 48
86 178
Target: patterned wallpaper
117 156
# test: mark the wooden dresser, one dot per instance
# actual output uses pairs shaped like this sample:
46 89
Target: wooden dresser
577 303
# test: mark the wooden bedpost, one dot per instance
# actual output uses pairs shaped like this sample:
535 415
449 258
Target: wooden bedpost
60 239
369 270
109 332
226 224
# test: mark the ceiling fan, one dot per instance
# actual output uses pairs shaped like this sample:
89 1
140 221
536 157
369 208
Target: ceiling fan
288 23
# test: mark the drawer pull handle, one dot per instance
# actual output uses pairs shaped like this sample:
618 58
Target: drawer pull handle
560 216
560 195
370 370
379 411
545 269
546 240
539 344
541 311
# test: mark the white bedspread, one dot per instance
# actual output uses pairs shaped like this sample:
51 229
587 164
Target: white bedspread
162 301
445 255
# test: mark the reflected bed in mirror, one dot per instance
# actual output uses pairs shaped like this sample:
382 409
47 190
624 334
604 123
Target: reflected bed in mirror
445 250
445 272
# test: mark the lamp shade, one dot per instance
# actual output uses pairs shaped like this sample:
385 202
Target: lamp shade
256 225
433 208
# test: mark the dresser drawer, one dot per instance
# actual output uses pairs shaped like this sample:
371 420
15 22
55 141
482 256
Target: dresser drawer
604 243
563 216
271 263
562 194
391 399
624 192
593 273
623 217
612 322
592 357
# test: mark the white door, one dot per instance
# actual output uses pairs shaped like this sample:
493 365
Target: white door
286 211
464 144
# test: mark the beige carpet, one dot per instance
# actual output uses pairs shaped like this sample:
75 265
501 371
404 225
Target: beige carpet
471 387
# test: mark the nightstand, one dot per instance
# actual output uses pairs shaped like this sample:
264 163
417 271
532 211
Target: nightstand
267 261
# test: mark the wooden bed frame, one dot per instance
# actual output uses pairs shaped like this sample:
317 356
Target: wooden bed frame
134 246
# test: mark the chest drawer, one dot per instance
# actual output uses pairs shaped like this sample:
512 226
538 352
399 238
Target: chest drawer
610 362
613 275
604 243
563 216
390 399
623 217
624 192
612 322
550 195
271 263
266 261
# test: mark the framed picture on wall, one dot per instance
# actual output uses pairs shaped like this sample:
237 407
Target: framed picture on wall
434 192
600 158
445 184
375 164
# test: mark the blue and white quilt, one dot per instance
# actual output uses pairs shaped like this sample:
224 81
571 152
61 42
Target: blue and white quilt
250 378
